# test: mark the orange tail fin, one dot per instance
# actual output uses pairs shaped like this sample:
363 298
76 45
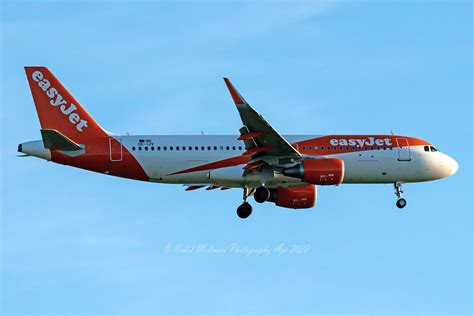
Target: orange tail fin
58 109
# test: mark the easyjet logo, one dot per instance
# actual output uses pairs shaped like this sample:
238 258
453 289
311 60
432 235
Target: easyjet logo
361 142
56 99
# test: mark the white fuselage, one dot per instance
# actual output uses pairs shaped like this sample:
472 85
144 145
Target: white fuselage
216 160
161 156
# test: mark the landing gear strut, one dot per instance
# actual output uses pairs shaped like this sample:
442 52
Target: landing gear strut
401 202
245 209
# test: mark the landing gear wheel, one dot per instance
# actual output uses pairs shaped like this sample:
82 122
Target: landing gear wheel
244 210
401 203
261 195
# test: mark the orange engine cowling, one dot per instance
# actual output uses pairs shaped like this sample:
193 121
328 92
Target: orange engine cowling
327 171
298 197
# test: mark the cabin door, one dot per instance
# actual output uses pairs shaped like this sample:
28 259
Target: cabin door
403 149
115 146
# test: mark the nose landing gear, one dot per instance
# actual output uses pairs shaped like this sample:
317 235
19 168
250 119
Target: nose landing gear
245 209
401 202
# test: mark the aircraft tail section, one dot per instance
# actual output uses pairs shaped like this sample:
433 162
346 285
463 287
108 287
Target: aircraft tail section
58 110
53 139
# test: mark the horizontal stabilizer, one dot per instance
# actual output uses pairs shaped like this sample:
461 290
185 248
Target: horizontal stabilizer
53 139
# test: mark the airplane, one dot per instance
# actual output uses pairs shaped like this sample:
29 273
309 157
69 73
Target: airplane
283 169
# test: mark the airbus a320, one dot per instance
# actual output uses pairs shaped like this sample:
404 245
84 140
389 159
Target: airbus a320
283 169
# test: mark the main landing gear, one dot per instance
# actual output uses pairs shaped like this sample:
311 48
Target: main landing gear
401 202
245 209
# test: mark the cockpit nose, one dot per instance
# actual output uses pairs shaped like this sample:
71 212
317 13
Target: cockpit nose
453 165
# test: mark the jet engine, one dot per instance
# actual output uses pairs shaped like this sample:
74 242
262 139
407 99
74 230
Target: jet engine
327 171
296 198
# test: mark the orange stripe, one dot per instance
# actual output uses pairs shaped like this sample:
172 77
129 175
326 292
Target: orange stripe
330 149
254 165
250 135
256 150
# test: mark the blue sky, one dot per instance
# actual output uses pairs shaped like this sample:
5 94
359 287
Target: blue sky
74 242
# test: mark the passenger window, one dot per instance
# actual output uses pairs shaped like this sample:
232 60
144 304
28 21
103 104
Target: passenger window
233 147
133 148
341 148
315 147
196 148
226 147
146 147
158 148
190 147
322 147
310 147
335 148
139 148
221 147
304 147
208 147
152 148
165 148
240 147
215 147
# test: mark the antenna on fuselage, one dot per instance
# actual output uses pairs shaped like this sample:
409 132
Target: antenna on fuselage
202 133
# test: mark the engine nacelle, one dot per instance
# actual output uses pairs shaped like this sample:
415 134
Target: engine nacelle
298 197
327 171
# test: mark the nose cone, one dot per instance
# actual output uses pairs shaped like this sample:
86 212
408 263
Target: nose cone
452 166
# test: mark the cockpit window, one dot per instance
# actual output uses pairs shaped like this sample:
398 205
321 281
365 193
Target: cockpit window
427 148
433 149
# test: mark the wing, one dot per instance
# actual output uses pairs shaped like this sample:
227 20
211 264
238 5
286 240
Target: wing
260 138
